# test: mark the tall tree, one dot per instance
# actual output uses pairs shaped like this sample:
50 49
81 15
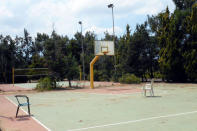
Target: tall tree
184 4
190 47
7 58
61 62
26 46
71 69
124 52
170 37
54 54
138 52
89 39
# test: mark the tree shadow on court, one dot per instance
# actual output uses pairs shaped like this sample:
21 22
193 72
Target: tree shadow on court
10 118
69 88
153 96
61 89
23 117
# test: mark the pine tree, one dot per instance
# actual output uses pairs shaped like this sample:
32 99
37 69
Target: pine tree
190 48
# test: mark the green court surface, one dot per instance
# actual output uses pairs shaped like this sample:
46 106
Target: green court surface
174 108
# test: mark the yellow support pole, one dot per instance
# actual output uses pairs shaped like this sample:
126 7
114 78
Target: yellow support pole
92 71
13 76
80 73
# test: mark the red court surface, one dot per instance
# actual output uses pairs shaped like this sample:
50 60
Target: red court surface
8 122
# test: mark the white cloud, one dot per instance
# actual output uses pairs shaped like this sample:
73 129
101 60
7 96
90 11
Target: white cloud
39 15
100 30
142 7
127 3
79 6
149 7
4 12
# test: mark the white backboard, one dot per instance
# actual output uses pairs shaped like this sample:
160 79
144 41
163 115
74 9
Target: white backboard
104 48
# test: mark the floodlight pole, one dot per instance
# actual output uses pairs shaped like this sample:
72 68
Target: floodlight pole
112 7
82 52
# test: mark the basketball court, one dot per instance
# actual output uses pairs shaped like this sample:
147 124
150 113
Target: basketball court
174 107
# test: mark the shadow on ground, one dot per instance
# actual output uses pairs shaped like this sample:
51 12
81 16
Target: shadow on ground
153 96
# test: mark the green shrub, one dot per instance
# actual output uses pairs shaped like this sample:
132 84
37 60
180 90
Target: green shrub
100 76
157 75
46 84
129 79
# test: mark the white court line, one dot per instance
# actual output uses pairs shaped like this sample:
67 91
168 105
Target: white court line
133 121
31 116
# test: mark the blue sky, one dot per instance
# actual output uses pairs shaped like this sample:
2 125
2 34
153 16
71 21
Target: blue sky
63 15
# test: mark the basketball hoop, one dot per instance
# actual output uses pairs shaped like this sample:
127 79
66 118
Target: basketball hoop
104 49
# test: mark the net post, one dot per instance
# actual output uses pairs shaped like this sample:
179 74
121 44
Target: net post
80 73
13 76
